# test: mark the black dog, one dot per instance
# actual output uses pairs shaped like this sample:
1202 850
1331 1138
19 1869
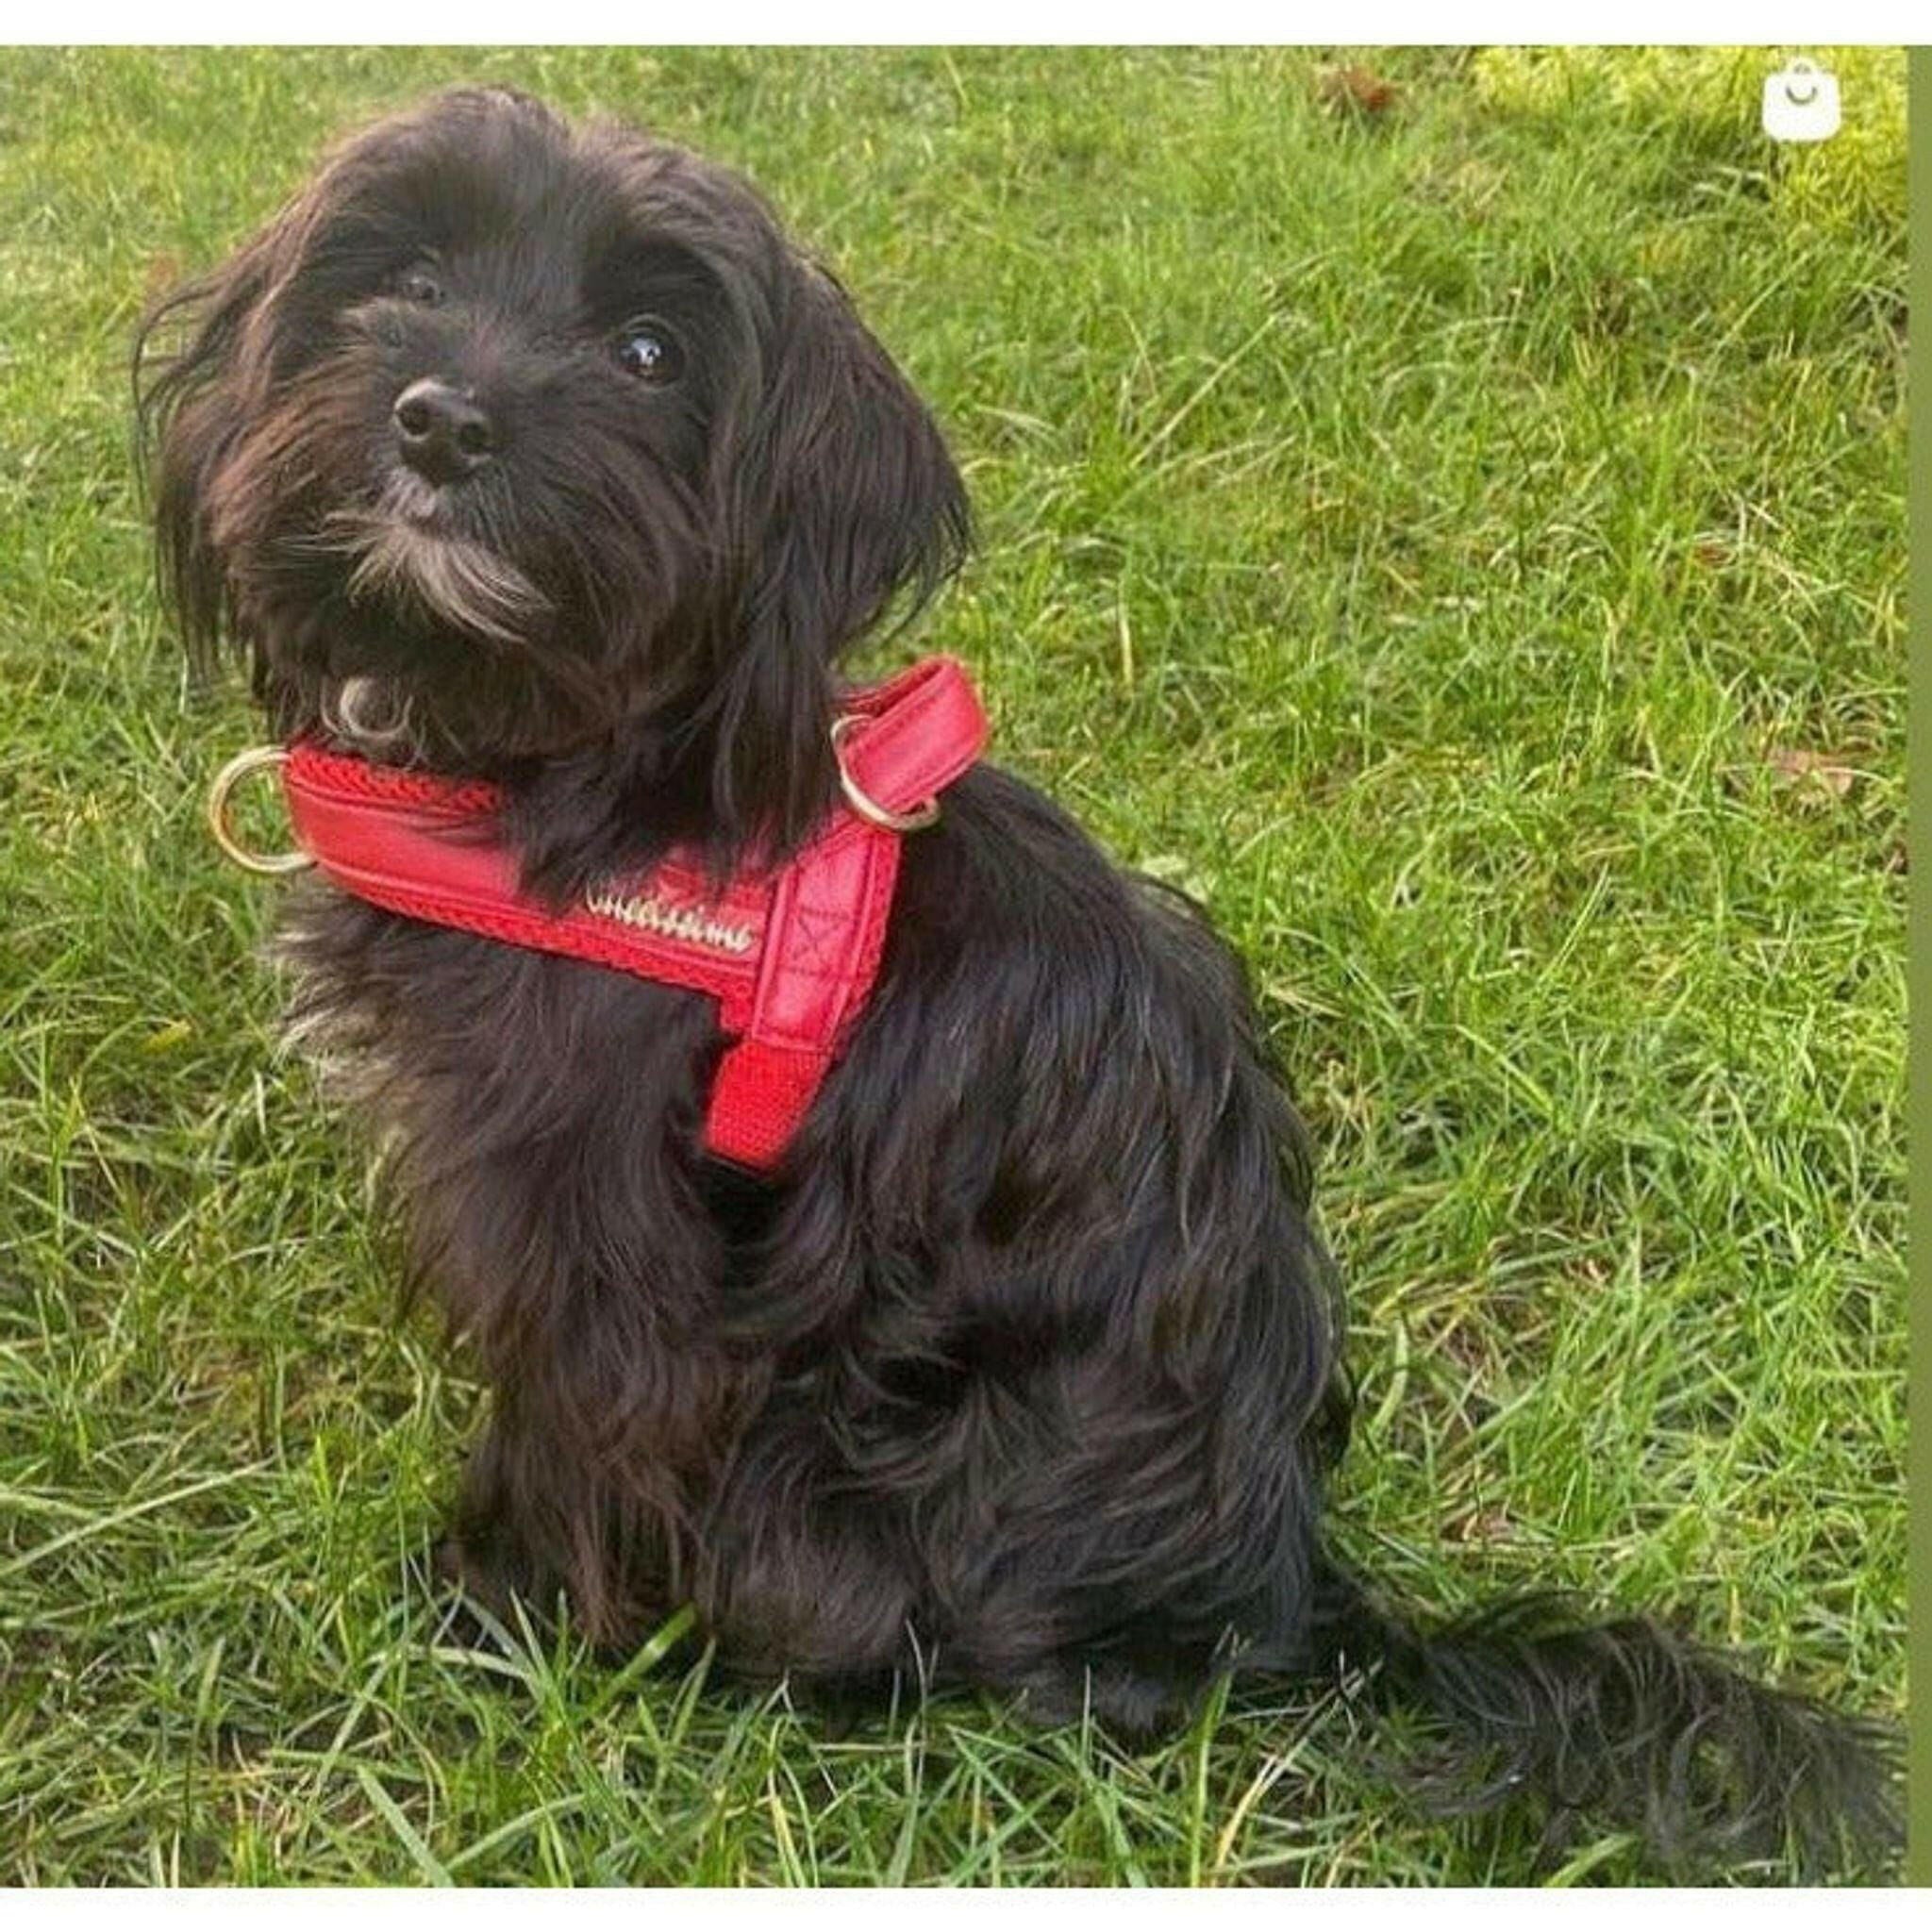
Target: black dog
539 454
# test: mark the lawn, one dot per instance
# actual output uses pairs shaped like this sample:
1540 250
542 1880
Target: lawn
1457 533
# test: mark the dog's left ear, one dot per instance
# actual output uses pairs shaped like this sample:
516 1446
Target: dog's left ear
841 495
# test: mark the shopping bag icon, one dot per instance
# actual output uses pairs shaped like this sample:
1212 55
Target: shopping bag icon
1801 103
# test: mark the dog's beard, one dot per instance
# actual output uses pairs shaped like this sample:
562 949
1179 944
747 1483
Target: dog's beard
453 579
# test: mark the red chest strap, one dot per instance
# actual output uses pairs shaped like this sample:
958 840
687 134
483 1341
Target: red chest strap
788 954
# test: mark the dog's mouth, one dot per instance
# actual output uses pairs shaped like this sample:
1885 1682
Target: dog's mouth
408 547
415 500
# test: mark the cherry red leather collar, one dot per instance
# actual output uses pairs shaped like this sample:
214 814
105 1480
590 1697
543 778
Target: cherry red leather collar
788 954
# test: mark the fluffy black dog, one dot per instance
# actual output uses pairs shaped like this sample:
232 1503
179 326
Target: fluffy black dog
539 454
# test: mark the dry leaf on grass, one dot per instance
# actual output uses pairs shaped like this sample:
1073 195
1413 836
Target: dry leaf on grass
1357 88
1481 1527
163 271
1817 774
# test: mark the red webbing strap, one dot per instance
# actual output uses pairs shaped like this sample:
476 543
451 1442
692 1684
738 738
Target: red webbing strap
790 956
823 944
426 847
827 927
923 729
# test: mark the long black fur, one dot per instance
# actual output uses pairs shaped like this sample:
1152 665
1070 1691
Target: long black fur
1025 1372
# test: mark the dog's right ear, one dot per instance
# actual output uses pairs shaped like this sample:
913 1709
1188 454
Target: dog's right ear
196 366
839 497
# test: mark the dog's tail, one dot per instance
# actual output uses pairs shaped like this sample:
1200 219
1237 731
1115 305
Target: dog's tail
1626 1722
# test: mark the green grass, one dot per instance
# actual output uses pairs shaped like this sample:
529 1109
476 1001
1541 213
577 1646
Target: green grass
1428 535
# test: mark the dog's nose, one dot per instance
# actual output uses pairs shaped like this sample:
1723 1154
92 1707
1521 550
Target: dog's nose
443 434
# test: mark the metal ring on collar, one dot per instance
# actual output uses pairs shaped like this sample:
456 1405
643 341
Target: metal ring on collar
868 808
260 758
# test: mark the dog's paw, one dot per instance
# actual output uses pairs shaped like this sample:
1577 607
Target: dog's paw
456 1565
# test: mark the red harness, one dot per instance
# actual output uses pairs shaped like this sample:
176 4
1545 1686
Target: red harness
789 955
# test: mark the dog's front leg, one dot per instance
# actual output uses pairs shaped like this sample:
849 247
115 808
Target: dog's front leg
545 1525
596 1458
538 1115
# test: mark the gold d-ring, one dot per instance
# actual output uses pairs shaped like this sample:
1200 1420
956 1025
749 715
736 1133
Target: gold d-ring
261 758
868 808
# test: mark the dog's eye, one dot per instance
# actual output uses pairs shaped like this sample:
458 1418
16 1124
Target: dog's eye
649 351
418 285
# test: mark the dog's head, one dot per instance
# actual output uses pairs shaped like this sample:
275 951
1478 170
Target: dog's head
509 441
